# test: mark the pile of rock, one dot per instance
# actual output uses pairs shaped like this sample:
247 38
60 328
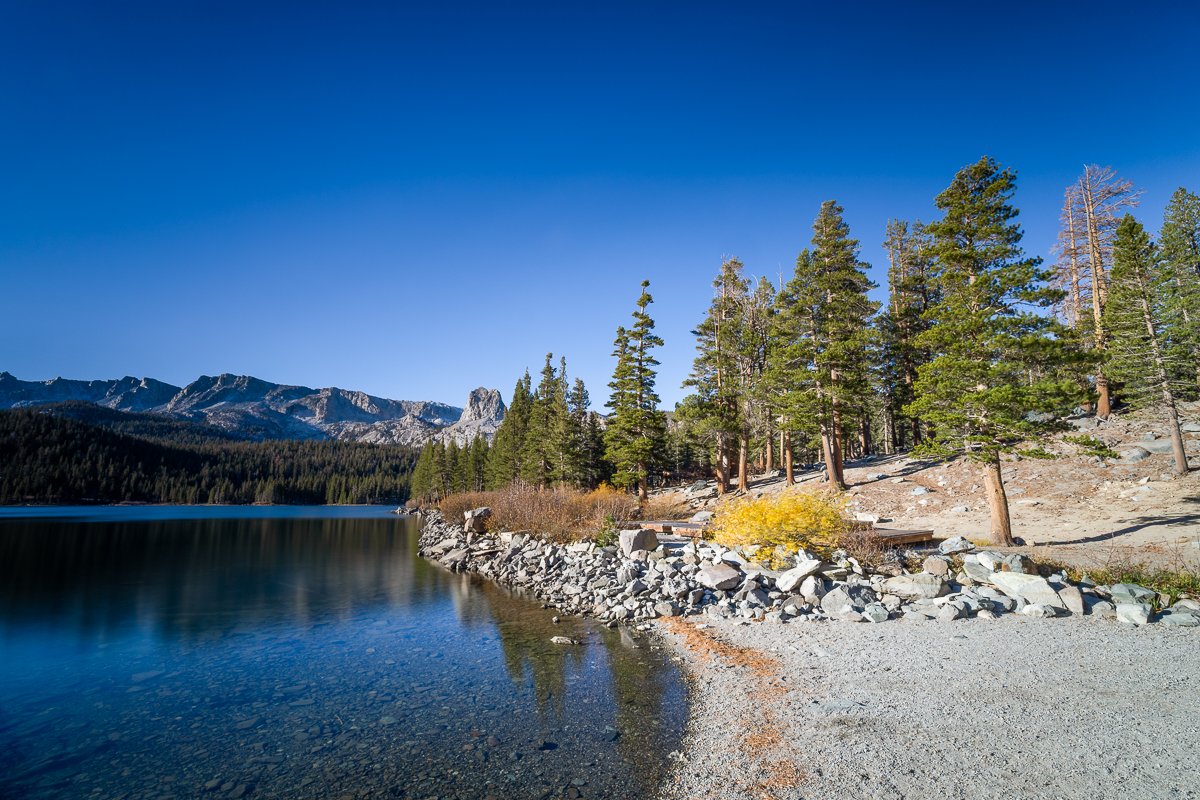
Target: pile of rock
640 578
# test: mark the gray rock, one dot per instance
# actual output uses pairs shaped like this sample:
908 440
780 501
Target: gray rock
951 612
837 602
1030 588
475 520
1181 619
1134 613
1135 454
1131 593
1190 427
919 490
911 587
937 565
1038 611
719 576
666 609
875 612
638 539
793 577
961 509
1072 598
956 544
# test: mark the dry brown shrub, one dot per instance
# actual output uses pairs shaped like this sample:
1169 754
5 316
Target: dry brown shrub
666 507
454 506
560 514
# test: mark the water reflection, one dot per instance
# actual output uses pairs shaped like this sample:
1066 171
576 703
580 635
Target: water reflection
304 657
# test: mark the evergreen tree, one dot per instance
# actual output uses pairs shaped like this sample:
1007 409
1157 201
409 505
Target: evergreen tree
911 293
636 429
1180 241
588 445
538 460
564 433
422 477
1137 354
715 416
504 457
994 355
824 332
478 463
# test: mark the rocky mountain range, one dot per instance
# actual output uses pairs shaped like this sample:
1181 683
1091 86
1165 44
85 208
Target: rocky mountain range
252 408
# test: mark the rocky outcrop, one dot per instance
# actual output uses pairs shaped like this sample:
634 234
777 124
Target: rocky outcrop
482 416
252 408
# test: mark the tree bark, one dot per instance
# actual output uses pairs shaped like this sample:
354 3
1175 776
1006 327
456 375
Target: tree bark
769 456
643 488
789 466
744 462
721 467
1001 532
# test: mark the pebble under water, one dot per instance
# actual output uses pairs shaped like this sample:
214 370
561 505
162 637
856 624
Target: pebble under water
156 652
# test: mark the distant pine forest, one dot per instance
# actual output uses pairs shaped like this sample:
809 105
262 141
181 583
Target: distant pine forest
79 453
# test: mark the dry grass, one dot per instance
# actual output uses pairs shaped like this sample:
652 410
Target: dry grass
559 514
1177 578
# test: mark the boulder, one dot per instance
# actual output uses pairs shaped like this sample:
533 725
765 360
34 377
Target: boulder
793 577
719 576
1038 611
475 520
702 517
666 609
637 539
912 587
1135 454
1072 598
956 544
875 612
1131 593
562 640
936 565
1030 588
1180 619
1134 613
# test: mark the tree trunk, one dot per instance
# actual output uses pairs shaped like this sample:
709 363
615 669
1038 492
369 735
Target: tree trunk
643 488
744 462
864 437
833 458
769 456
789 466
721 467
998 501
1164 380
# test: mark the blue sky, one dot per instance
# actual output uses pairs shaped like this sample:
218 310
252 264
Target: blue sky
414 200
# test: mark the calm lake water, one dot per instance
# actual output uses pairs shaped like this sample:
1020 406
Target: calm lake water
302 652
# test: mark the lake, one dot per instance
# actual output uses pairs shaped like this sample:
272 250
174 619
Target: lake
154 652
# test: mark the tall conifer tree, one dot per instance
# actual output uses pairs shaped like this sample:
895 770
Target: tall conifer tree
995 355
1137 353
1180 241
636 429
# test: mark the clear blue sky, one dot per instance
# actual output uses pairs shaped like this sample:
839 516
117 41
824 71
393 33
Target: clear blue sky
416 199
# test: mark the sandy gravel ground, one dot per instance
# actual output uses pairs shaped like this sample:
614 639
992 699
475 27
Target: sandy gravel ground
1013 708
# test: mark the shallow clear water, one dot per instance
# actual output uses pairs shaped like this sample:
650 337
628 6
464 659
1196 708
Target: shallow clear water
302 652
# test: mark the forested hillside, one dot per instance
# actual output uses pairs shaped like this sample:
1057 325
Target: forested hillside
75 453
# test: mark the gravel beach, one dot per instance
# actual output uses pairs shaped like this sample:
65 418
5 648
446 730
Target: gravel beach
1012 707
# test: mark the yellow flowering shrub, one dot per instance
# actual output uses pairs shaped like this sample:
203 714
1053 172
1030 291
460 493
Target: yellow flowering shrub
790 520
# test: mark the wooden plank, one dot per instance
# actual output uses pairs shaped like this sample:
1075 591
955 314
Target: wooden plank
893 536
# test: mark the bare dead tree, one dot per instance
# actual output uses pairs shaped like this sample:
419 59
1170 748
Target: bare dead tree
1102 197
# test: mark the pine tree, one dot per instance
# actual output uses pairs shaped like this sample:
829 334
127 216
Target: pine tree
911 294
1180 241
994 360
422 476
716 414
565 434
1099 198
824 332
478 463
636 429
504 457
537 451
589 445
1137 354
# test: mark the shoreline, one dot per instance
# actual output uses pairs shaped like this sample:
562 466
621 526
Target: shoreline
780 707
